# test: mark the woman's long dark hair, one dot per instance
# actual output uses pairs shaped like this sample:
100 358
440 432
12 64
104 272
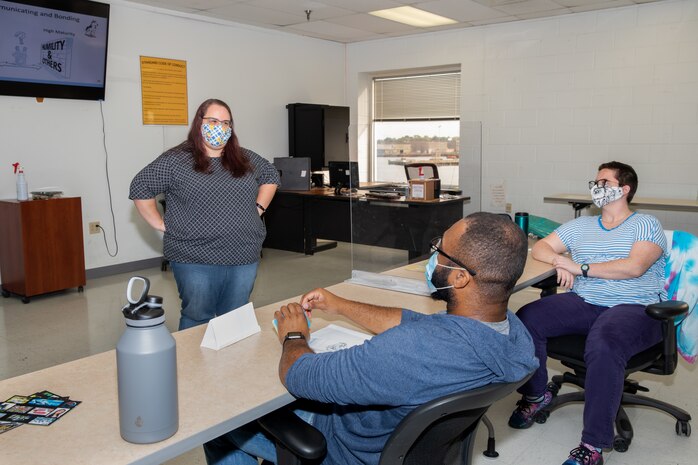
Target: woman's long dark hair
233 158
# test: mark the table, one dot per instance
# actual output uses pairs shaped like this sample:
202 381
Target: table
242 384
581 201
295 220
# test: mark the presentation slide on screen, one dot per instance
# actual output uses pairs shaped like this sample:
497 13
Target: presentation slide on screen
49 46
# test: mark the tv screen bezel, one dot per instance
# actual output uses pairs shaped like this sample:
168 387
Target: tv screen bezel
43 90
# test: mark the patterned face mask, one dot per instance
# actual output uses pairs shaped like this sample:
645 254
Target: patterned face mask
602 196
215 135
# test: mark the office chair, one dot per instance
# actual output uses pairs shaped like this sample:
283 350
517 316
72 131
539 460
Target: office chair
441 431
661 359
428 170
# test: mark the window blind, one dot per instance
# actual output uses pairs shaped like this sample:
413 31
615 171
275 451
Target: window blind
421 97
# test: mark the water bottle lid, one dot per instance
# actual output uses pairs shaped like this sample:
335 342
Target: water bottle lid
149 309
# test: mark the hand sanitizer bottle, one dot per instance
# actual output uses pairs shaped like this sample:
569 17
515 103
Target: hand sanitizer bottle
22 190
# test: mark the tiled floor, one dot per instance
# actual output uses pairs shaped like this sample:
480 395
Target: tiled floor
66 326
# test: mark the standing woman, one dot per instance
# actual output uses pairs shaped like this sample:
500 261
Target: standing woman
216 193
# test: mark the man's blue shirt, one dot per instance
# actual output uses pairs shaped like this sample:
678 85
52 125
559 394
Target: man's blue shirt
378 383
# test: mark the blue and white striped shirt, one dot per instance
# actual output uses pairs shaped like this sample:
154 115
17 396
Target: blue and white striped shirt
590 242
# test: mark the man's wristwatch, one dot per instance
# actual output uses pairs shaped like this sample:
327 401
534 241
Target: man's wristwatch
293 335
585 270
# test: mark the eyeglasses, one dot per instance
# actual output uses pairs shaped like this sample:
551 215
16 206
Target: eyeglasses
435 247
600 183
216 122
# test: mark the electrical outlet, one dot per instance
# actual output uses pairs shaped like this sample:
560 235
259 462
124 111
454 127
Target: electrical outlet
94 227
508 208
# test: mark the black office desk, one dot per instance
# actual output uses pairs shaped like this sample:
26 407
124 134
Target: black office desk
297 219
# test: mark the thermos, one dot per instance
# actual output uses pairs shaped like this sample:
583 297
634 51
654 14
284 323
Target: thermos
521 219
146 363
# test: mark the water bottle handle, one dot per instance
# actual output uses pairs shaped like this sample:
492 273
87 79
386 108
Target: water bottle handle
144 293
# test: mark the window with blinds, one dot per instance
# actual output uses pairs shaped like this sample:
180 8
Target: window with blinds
410 98
416 118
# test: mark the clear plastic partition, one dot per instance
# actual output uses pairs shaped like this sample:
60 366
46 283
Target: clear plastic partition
426 188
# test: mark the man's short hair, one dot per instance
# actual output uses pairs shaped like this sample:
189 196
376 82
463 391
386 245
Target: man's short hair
626 176
496 249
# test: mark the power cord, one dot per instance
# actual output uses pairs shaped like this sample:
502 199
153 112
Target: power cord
111 203
104 235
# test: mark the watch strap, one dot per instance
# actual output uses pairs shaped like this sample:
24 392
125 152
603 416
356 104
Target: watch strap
293 335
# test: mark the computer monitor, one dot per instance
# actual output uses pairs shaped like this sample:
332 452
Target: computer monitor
344 174
294 173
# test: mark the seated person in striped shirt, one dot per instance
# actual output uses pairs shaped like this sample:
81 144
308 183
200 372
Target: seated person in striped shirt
615 268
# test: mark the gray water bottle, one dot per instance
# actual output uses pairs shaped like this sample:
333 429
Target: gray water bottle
146 363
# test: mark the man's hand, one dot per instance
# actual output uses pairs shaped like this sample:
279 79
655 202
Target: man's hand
321 299
291 318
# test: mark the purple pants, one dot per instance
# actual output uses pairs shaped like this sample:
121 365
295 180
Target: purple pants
614 335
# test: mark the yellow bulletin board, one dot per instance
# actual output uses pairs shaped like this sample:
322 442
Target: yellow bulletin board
164 91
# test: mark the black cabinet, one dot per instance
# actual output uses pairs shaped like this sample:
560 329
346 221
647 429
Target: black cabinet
320 132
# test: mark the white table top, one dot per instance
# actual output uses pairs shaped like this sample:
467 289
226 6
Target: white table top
638 202
218 390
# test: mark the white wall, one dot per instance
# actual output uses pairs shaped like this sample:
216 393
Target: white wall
257 72
555 97
558 96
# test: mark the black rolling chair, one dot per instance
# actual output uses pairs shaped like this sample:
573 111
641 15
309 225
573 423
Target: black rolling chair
660 359
439 432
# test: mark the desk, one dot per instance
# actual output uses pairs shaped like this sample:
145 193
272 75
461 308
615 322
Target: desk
581 201
218 391
295 220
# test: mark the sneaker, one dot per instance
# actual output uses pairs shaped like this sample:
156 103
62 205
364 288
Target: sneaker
584 455
524 415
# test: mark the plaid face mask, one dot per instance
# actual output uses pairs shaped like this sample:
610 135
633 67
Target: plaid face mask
215 136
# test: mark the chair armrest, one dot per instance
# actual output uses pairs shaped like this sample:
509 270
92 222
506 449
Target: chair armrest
299 437
668 310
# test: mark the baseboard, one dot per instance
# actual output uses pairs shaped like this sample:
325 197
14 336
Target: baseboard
123 268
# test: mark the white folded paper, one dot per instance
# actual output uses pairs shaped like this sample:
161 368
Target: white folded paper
230 328
332 338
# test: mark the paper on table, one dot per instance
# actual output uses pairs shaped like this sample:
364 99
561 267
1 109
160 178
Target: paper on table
231 327
333 337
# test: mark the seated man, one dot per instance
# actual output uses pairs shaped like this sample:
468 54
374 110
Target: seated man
363 392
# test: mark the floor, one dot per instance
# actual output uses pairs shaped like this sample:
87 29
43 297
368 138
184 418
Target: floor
68 325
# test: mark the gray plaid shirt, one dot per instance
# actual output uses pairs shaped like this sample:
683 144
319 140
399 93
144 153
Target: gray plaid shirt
210 218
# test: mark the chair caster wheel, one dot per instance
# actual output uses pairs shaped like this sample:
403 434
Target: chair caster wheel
5 293
541 417
554 388
683 428
26 300
621 444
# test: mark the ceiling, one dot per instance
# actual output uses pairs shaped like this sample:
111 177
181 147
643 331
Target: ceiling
348 21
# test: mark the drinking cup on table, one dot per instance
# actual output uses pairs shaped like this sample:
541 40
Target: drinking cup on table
521 219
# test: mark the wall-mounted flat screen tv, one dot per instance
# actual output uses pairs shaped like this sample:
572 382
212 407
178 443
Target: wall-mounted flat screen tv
53 48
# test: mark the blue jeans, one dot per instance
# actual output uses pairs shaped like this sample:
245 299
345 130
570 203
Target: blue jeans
208 291
614 334
244 445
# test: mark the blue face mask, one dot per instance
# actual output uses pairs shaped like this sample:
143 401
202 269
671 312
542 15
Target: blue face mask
429 272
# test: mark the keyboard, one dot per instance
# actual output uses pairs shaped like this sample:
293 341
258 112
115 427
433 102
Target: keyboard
382 195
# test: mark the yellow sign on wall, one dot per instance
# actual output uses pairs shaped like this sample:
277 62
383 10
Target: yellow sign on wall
164 91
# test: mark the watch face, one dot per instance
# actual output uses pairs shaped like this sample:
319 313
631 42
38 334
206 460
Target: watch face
294 335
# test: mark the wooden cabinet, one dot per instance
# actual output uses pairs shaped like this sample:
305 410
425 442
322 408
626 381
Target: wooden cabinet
41 248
